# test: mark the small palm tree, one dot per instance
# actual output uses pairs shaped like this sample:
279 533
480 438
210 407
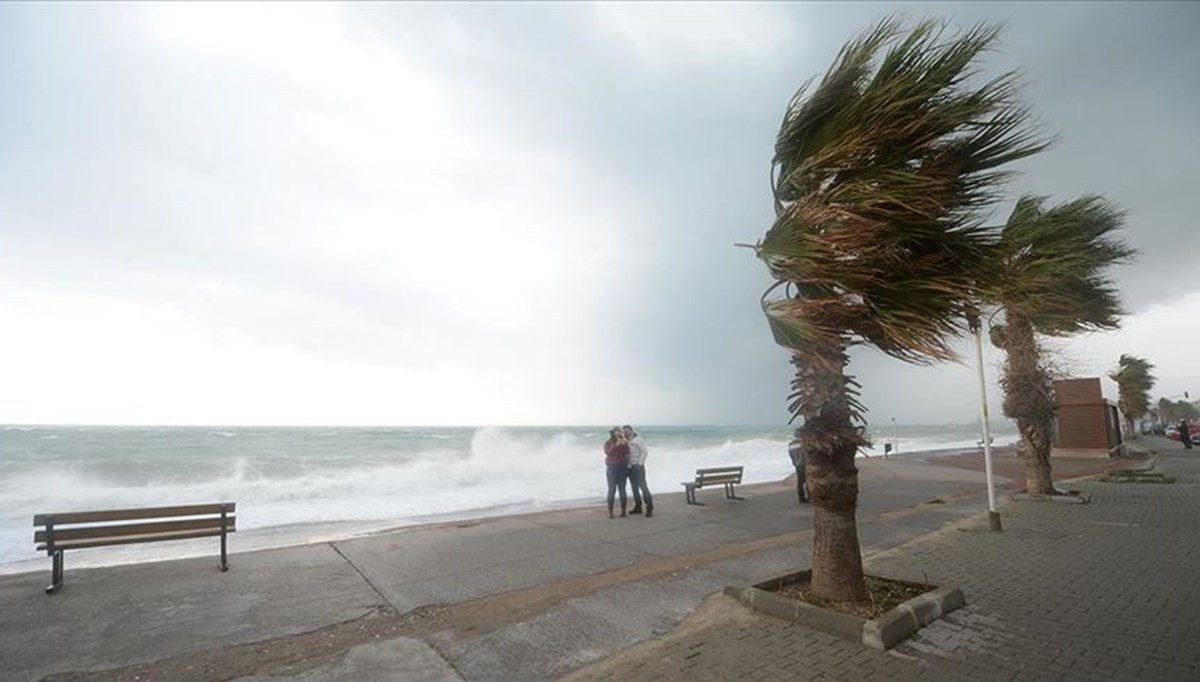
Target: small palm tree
879 176
1134 382
1049 279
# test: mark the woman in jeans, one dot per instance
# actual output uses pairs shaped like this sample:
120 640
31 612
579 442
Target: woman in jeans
637 472
616 459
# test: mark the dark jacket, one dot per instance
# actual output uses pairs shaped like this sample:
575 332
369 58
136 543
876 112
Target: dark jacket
616 453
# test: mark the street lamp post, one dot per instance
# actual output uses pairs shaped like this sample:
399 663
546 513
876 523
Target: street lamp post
977 336
895 437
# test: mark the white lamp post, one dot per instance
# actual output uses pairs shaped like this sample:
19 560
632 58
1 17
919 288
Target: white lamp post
977 335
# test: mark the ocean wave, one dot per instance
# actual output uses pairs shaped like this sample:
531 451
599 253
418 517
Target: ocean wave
903 446
374 475
498 468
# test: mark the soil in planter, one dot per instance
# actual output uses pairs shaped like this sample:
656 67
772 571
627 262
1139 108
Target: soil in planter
882 596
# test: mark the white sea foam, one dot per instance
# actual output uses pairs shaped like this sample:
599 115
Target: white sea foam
500 469
925 446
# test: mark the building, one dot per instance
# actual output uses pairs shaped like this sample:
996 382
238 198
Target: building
1088 422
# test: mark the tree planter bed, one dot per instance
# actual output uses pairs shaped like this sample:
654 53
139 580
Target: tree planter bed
882 632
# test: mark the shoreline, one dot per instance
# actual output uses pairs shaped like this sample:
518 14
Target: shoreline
304 533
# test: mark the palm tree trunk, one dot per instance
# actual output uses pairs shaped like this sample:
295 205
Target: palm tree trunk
837 573
1029 399
1038 476
824 399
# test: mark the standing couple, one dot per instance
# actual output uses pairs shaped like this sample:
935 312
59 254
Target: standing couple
625 458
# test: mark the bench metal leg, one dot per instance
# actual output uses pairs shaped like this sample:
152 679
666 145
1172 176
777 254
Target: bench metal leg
729 492
224 521
691 496
56 572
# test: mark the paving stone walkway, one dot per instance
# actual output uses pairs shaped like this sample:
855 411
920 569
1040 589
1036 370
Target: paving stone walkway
1100 591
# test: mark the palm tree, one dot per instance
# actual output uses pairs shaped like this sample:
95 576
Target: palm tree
1049 279
879 176
1134 382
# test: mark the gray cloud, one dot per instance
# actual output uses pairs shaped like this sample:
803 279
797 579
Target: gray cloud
137 173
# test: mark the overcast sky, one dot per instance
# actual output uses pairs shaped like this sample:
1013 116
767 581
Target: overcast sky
499 214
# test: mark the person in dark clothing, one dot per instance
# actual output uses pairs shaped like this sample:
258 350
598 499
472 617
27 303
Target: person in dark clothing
1185 434
616 460
796 452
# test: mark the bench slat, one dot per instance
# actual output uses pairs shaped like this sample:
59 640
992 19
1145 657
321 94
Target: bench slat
719 480
719 470
132 514
128 540
63 535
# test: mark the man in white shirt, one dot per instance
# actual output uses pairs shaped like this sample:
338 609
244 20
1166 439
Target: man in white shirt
637 472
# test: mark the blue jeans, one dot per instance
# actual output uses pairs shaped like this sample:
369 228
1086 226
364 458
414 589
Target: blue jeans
617 475
641 491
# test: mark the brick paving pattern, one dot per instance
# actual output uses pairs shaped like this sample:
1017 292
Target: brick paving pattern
1100 591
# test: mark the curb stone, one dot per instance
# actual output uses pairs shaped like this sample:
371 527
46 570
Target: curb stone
881 633
1061 499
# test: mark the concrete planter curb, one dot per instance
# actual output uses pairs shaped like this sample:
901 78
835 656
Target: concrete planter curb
883 633
1138 476
1070 498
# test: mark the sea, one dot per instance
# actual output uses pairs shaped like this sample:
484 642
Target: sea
297 485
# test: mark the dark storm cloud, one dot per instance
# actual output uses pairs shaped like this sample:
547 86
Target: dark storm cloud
676 138
1113 81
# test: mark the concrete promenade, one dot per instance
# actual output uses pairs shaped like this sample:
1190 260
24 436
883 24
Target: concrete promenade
553 594
1099 591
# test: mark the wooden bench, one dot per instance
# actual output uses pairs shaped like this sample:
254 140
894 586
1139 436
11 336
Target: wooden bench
78 530
726 476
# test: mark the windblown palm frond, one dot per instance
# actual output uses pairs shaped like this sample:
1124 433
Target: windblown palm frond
1053 263
1134 382
879 177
